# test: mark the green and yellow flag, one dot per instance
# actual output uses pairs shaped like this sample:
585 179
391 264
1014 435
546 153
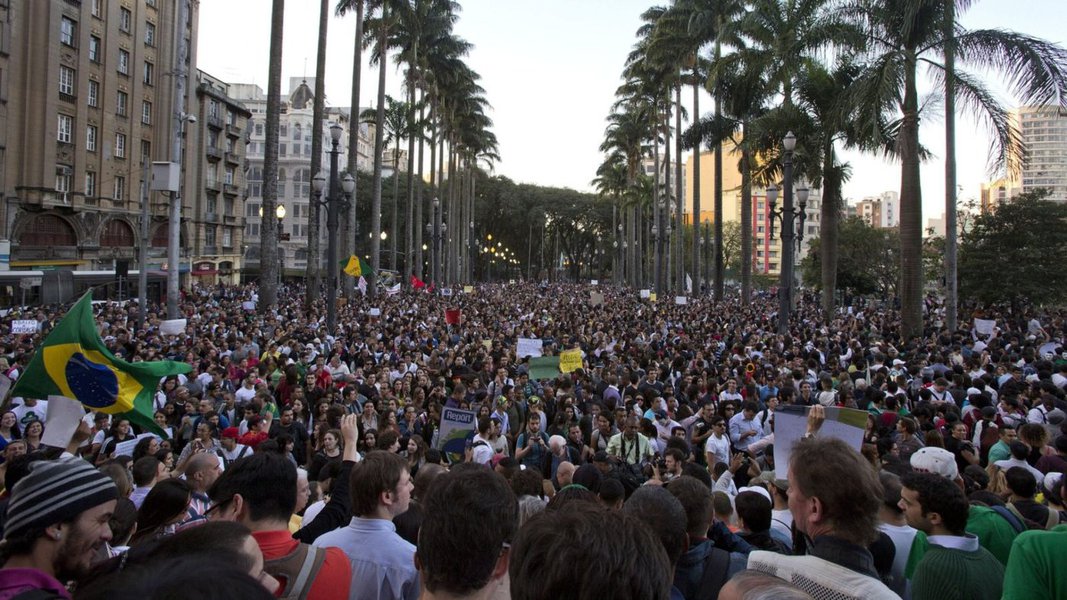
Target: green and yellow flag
73 362
357 267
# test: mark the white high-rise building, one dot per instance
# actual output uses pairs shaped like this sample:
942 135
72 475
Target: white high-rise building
1044 136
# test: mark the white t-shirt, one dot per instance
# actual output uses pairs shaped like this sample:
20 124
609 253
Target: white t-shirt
782 521
720 447
244 395
25 415
481 450
902 536
312 511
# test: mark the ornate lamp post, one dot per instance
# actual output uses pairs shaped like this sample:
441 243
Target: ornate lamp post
334 204
788 215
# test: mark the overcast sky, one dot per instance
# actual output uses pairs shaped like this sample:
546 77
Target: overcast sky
550 69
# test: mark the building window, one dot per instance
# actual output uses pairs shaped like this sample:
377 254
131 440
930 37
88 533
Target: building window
259 128
63 174
66 81
117 234
213 109
124 62
65 133
67 29
90 184
149 34
227 206
227 237
121 103
90 138
146 152
94 93
120 188
48 230
146 112
94 49
96 7
252 210
120 145
149 73
229 177
125 18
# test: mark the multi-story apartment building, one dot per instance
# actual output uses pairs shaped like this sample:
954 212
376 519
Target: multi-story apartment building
87 102
294 169
1044 138
882 211
217 192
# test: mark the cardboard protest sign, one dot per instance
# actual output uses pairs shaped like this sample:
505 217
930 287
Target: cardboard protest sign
62 420
467 289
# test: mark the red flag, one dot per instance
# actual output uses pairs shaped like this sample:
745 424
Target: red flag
452 316
417 283
429 290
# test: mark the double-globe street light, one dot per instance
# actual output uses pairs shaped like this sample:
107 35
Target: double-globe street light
787 215
334 204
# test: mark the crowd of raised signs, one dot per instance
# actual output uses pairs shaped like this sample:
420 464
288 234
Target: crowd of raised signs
663 437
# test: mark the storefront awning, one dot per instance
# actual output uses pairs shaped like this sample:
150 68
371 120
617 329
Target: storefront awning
59 262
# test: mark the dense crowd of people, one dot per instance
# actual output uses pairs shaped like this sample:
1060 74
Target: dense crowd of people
299 464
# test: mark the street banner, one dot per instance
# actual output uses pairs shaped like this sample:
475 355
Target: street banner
544 367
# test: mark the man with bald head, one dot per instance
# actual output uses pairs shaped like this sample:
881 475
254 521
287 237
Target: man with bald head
564 475
201 471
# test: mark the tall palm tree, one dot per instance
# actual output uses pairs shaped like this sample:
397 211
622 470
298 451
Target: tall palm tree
268 230
900 35
314 263
395 129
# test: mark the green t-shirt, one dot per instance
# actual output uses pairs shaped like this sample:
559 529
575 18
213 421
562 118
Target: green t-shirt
1035 569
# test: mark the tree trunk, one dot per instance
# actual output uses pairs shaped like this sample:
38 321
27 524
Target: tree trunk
395 223
313 273
418 194
268 230
719 287
349 245
679 191
746 223
379 152
696 150
951 282
911 292
413 220
829 229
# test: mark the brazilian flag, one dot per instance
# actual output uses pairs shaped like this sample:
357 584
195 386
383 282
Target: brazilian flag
357 267
73 362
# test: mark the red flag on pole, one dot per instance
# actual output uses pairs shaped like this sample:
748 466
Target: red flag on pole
452 316
417 283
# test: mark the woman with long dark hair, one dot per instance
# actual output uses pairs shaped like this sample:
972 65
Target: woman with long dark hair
166 505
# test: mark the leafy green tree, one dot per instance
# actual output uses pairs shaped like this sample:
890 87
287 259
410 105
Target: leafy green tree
867 261
1016 253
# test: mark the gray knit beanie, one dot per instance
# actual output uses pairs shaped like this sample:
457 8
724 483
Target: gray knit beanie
54 492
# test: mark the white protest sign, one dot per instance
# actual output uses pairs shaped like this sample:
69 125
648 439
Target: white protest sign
645 293
790 423
528 347
446 292
248 305
63 418
126 448
681 300
594 282
984 326
24 326
375 312
173 326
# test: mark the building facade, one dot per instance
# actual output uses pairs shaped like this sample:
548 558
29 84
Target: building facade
882 211
87 103
294 170
1044 138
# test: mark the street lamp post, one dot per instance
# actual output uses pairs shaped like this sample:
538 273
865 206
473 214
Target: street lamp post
787 215
334 205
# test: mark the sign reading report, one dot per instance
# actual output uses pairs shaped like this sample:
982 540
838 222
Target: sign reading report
457 426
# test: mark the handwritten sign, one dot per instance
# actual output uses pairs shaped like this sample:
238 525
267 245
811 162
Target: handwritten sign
529 347
570 360
681 300
172 326
24 326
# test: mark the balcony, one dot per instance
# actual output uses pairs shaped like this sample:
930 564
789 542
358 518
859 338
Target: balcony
233 159
229 219
213 184
215 122
229 189
214 153
211 217
233 130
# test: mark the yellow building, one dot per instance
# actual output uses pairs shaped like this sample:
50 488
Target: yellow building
731 189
